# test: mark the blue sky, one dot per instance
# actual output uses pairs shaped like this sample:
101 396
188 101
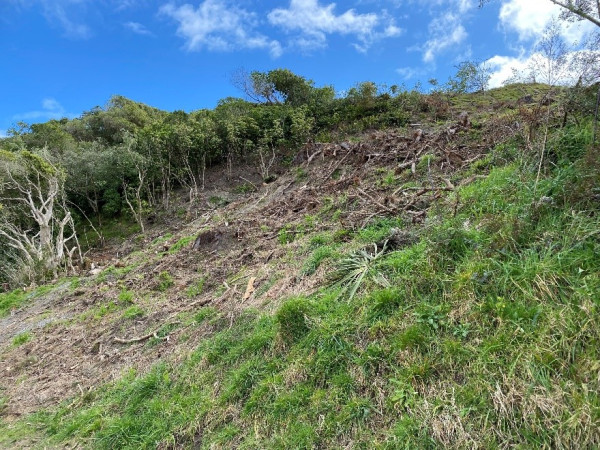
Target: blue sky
63 57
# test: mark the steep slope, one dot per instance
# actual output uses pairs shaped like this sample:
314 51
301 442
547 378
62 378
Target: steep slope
406 288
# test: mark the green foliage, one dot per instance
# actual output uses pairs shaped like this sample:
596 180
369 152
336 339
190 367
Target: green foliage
133 312
286 235
317 257
10 301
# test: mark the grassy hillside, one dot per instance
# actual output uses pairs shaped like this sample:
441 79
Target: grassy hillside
392 290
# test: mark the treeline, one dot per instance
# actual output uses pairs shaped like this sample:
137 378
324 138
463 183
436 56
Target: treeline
129 157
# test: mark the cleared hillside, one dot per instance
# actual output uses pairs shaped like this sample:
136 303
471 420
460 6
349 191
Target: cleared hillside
430 285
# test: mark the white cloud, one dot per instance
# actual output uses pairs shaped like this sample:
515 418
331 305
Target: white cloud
529 18
537 67
138 28
409 73
51 109
218 26
3 134
313 22
447 32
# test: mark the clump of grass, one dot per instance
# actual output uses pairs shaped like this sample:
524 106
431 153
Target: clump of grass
317 257
293 318
196 288
21 339
181 243
126 297
133 312
286 235
164 281
12 300
16 299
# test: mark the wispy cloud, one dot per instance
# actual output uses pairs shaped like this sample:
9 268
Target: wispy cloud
217 25
446 29
62 14
447 34
50 109
410 73
121 5
313 22
137 28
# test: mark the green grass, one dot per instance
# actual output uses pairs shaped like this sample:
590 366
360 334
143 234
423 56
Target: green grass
181 243
10 301
133 312
485 336
21 339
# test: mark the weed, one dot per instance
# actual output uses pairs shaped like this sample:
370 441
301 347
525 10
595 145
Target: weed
245 188
432 316
286 235
352 270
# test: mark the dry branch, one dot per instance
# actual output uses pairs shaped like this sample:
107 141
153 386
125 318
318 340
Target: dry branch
142 338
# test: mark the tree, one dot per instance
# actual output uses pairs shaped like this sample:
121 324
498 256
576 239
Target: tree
34 220
470 77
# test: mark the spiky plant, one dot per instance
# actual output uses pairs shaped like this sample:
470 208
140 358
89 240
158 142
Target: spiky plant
353 270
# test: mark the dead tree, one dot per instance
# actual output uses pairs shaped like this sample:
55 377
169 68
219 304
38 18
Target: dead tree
34 220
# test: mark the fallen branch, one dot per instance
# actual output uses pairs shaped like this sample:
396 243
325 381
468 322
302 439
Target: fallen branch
137 339
336 166
422 190
203 302
142 338
311 157
374 201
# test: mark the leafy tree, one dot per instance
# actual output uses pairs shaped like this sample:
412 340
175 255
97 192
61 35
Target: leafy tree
470 77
